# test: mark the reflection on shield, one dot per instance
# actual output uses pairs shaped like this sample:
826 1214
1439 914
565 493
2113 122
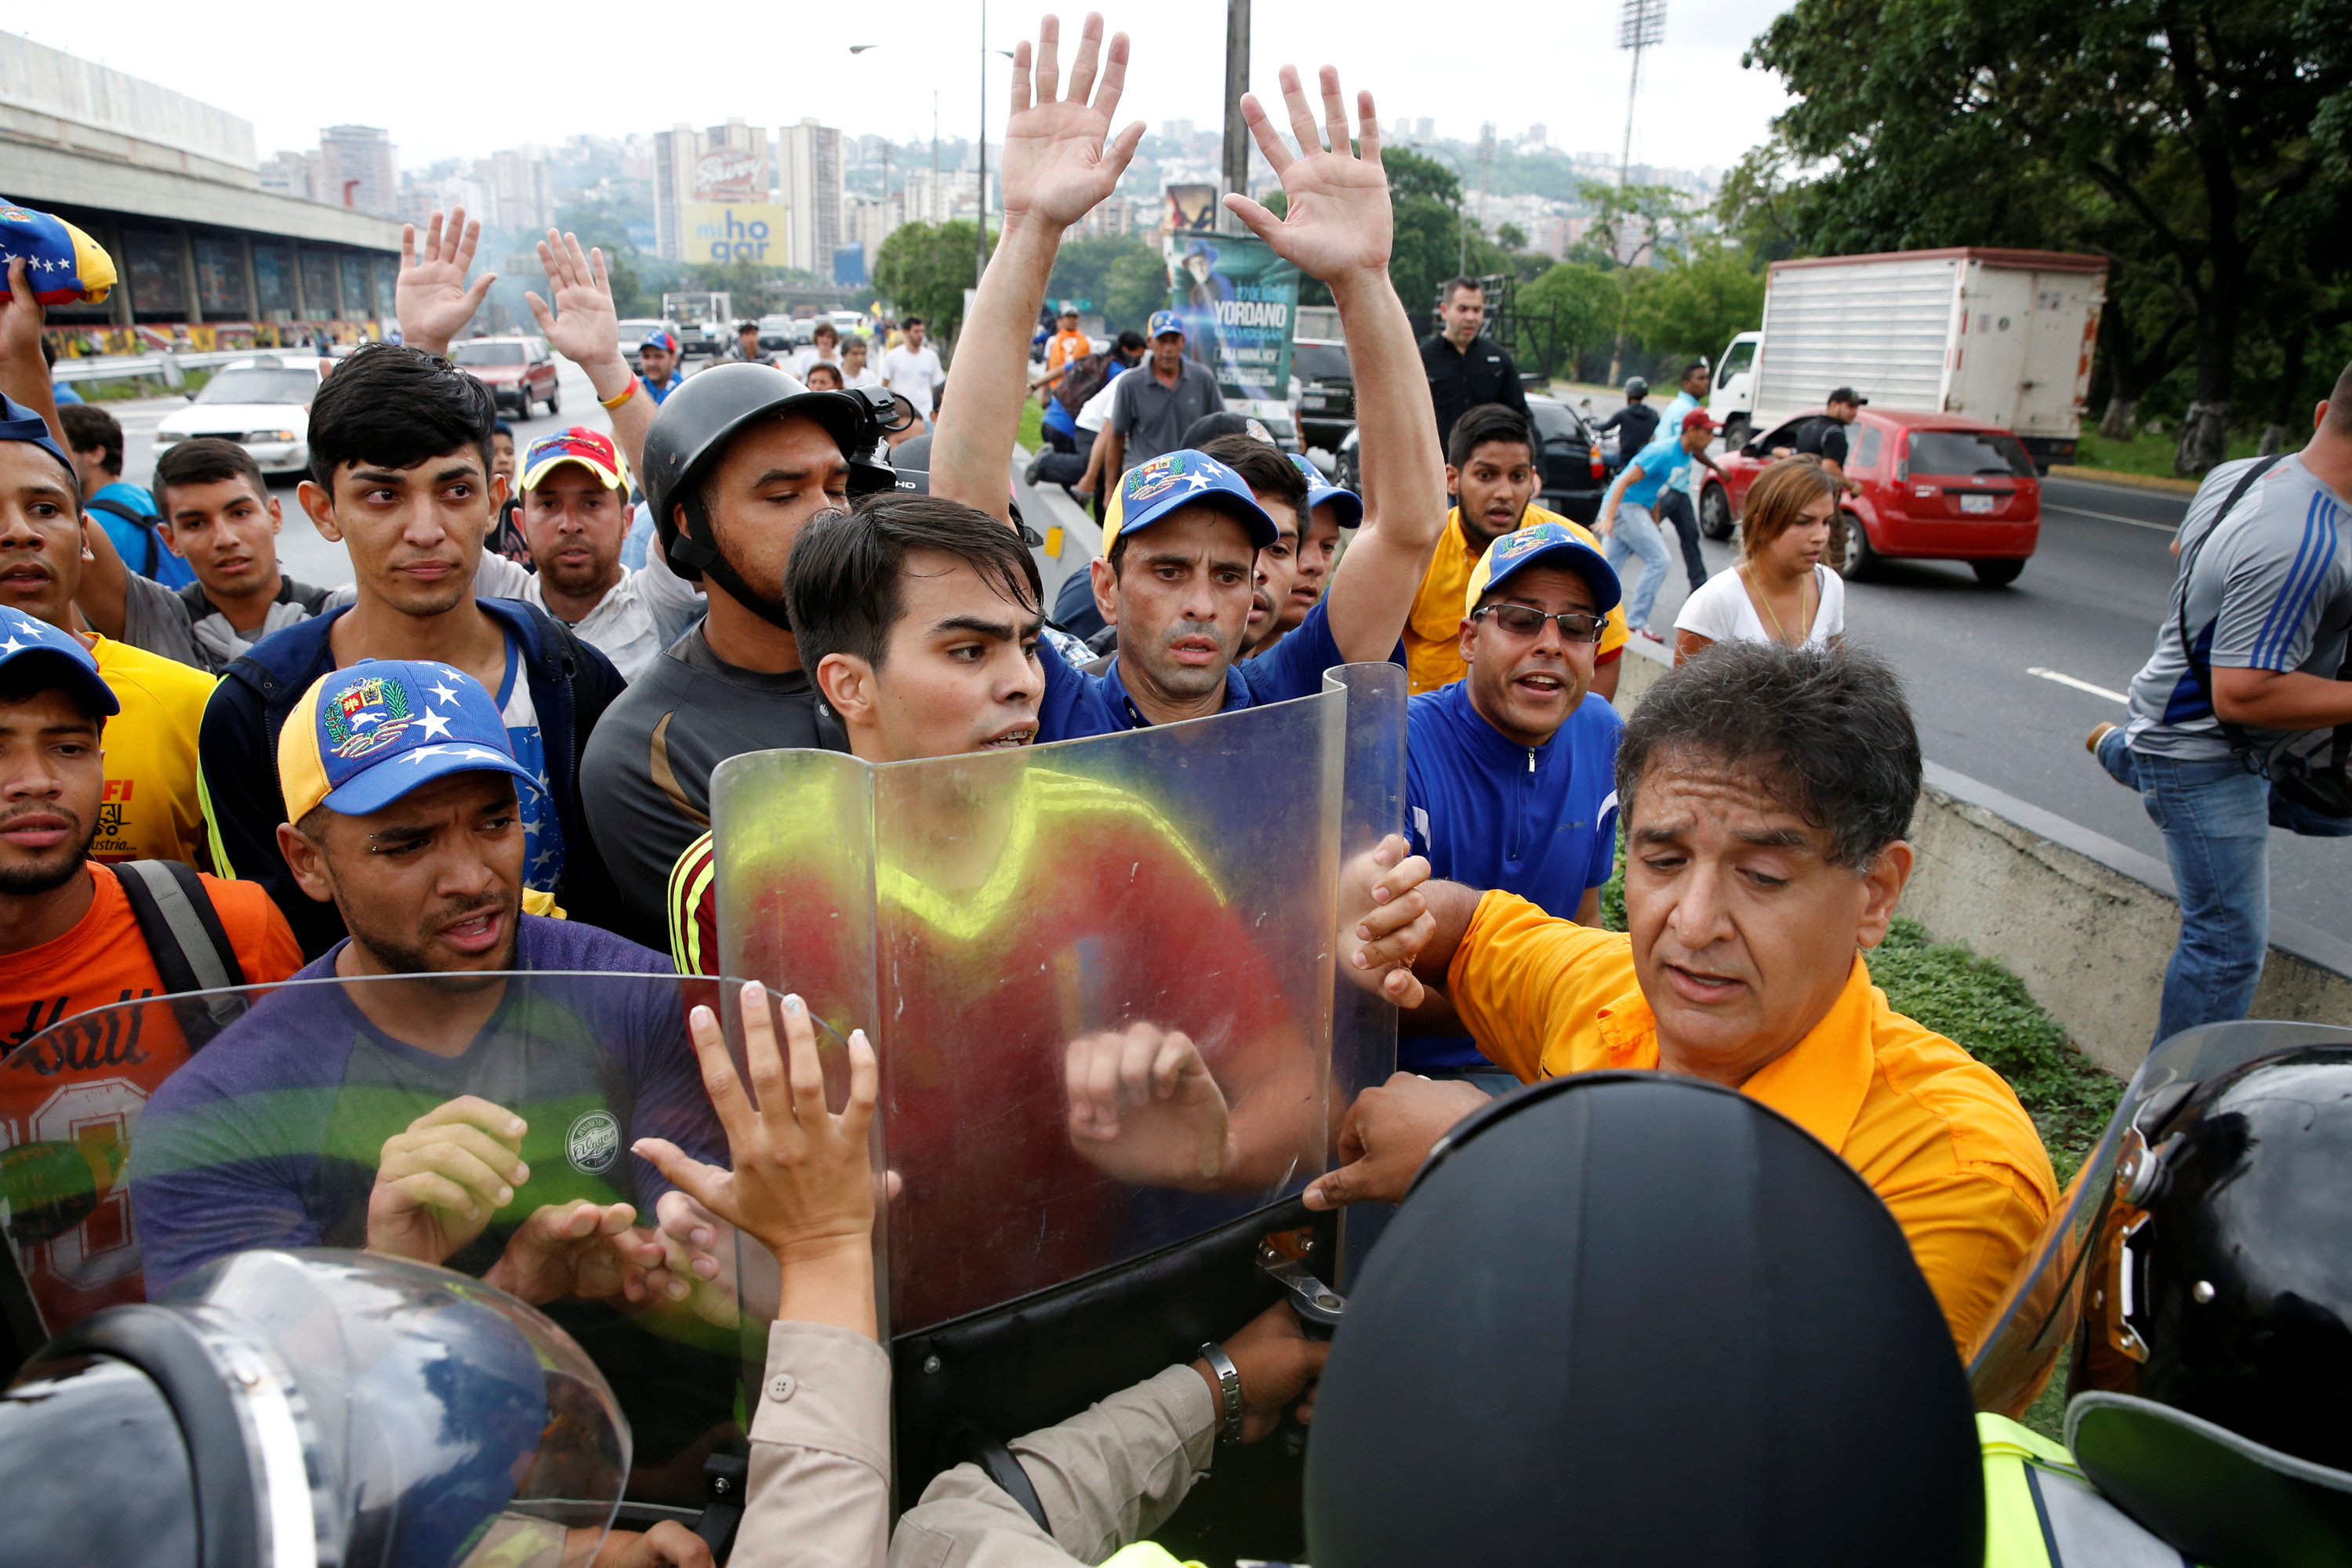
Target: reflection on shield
1099 977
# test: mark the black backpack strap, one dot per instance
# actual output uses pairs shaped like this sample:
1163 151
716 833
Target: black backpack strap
2234 734
144 524
184 936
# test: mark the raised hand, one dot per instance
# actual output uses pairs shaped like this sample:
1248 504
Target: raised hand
438 1184
1057 167
1144 1109
582 327
1338 223
1384 921
432 298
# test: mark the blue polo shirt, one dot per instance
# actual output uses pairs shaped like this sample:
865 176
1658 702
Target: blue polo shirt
1080 704
662 391
1659 461
1538 821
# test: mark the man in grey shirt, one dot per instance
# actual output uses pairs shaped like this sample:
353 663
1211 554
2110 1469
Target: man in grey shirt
1151 407
2227 720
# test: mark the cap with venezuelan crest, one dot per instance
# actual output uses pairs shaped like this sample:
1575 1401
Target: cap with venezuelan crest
367 735
1152 490
1543 544
64 265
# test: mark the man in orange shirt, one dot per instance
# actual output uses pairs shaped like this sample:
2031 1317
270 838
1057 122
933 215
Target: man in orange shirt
1067 343
1766 793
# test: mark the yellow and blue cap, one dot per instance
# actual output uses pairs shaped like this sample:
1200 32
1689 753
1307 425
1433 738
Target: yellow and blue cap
1347 503
1543 544
1152 490
363 736
65 660
64 265
1164 322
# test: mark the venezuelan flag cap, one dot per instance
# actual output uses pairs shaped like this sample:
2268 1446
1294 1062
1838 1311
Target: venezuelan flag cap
365 735
63 264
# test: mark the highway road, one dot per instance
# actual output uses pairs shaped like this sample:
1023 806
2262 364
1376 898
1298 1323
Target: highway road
2005 681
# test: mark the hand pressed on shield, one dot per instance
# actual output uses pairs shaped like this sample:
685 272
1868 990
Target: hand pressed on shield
1144 1107
431 295
1278 1366
1338 225
438 1184
589 1250
1387 1137
1384 921
1057 167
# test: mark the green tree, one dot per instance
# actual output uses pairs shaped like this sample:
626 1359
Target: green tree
1571 311
751 286
604 229
923 269
1085 269
1134 285
2209 137
1696 304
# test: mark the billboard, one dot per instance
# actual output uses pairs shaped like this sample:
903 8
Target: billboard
733 231
731 175
1238 300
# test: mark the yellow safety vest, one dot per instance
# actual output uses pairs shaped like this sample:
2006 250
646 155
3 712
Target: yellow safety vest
2041 1512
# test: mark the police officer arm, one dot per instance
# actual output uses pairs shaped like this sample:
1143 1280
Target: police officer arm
1339 228
1057 167
583 327
431 296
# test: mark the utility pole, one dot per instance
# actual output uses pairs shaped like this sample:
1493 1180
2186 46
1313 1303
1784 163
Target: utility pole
1641 25
1237 53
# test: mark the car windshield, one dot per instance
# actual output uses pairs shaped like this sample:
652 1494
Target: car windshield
1319 361
252 383
1968 452
491 354
1554 422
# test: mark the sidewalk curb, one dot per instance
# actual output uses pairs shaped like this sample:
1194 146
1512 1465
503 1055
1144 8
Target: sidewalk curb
2129 481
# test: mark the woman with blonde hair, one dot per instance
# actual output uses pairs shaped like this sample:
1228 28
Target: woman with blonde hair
1778 591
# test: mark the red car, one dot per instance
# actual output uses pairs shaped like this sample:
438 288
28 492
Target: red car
518 372
1932 488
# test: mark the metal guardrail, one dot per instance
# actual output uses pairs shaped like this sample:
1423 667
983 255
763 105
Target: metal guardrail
115 367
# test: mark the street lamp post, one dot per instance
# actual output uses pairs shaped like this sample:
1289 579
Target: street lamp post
1641 23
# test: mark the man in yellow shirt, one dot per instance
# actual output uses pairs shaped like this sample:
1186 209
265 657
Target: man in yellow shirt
152 807
1766 793
1491 469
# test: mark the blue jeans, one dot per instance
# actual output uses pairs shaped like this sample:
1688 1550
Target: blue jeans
2216 818
1637 534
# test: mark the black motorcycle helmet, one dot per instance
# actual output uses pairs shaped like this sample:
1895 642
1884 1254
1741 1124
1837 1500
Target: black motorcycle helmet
694 426
1635 388
1635 1319
2214 1365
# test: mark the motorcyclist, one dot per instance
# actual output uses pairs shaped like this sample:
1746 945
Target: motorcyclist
1635 423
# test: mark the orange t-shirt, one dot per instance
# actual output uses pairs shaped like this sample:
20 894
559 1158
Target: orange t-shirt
80 1091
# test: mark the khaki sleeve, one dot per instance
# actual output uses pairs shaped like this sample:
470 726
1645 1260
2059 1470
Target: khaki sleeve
819 1494
1107 1477
1521 978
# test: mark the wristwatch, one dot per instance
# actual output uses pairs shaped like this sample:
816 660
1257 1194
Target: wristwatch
1229 1380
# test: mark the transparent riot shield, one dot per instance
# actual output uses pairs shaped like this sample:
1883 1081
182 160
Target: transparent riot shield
1099 975
2061 1295
378 1114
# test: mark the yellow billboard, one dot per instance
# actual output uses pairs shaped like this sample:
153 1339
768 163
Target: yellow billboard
733 231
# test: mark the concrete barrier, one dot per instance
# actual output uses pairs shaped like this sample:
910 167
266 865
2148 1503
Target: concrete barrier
2087 922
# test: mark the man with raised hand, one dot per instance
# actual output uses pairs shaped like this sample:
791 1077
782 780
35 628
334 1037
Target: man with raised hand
1181 614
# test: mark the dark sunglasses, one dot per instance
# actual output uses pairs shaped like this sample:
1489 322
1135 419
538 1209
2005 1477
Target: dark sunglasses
1518 620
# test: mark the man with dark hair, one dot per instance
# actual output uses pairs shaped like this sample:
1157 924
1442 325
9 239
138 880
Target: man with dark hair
2235 719
1627 510
745 349
1766 793
400 474
126 513
1281 492
1492 470
912 369
219 516
825 347
1678 501
1466 369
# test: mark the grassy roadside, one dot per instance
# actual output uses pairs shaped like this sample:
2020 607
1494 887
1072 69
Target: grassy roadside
2149 456
1033 425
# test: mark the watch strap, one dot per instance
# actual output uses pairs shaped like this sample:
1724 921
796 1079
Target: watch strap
1229 1382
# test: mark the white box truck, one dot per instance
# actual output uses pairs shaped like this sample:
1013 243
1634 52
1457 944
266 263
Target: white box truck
2004 336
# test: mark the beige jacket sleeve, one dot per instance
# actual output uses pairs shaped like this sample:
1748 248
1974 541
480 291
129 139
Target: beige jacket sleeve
1107 1477
820 1484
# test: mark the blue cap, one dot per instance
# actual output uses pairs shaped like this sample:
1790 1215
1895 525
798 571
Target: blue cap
659 339
1320 489
1544 545
365 735
18 422
1164 322
60 653
1153 489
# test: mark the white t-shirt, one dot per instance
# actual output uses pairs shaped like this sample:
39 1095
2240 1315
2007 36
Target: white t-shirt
1721 611
800 363
912 373
644 613
1096 411
869 376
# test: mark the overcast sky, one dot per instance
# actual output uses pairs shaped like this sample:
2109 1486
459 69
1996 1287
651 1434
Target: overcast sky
467 78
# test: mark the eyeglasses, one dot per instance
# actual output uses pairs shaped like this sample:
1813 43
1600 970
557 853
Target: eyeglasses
1518 620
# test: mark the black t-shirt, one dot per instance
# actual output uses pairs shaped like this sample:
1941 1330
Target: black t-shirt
1462 379
1824 437
645 778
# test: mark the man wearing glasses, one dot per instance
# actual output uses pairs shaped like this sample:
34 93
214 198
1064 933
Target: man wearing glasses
1509 771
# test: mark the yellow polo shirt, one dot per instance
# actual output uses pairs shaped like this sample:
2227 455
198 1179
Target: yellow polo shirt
1936 1133
152 808
1433 632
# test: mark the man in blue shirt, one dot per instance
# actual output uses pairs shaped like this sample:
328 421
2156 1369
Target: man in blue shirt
658 366
1635 496
1510 771
126 512
1678 504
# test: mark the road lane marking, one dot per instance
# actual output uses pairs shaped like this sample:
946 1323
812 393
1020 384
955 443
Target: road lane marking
2111 517
2065 679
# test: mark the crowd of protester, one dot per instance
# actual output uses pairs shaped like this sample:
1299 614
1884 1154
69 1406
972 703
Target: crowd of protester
459 762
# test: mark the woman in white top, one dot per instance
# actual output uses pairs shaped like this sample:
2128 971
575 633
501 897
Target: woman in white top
1779 591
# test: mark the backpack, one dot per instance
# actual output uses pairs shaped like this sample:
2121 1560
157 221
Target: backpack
1081 379
190 946
146 523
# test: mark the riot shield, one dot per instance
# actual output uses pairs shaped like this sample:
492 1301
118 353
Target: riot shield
2058 1295
128 1165
1029 936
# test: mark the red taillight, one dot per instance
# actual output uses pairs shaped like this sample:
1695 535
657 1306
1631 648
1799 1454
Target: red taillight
1901 457
1598 467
